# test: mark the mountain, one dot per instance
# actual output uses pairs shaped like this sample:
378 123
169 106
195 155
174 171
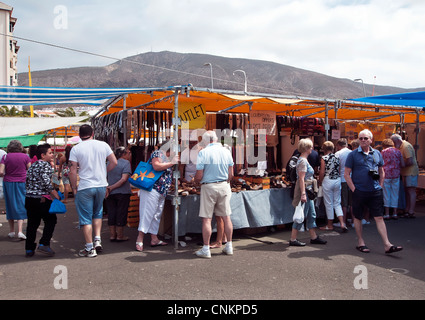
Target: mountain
162 69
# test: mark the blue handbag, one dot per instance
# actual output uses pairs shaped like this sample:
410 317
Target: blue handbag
57 207
144 177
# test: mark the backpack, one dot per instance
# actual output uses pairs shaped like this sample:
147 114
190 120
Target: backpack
291 169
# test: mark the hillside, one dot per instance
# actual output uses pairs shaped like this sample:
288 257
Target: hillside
178 68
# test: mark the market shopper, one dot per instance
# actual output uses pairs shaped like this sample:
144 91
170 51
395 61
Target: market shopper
118 195
346 203
330 180
364 174
409 172
90 157
305 180
13 168
39 195
393 162
214 172
63 172
152 202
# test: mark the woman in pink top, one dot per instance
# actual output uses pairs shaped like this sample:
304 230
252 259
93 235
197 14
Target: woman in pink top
13 167
393 162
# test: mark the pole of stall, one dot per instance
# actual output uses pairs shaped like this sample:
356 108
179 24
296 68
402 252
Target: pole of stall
124 121
176 173
326 122
417 129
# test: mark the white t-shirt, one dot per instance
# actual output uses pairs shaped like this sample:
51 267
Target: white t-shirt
91 157
342 155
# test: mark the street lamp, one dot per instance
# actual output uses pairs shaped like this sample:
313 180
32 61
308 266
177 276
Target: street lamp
212 79
246 84
364 90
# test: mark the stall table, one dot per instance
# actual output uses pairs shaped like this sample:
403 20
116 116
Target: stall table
250 209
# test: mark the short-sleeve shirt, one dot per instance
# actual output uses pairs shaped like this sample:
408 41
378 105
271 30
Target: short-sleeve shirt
360 164
407 151
392 162
163 184
15 166
342 155
331 166
123 167
215 161
91 156
304 166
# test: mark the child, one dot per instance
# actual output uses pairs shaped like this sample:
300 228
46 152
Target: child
39 190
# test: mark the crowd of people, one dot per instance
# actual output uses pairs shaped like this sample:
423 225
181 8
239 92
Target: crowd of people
356 182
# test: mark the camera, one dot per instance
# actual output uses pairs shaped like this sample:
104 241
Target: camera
374 174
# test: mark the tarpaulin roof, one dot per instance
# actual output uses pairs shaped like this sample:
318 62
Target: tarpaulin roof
10 95
10 127
25 140
234 102
416 99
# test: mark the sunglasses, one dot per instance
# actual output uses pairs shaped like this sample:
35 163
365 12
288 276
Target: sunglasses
364 138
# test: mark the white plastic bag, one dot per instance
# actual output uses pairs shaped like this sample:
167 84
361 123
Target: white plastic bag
299 213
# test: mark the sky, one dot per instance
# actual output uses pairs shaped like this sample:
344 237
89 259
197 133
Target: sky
381 42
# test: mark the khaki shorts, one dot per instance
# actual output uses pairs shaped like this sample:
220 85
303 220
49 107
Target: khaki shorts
215 199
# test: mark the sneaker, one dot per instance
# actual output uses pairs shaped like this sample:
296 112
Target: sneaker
296 243
21 236
203 254
318 241
29 253
46 250
11 235
98 245
90 254
228 250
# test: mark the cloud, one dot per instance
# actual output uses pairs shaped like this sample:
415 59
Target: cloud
347 39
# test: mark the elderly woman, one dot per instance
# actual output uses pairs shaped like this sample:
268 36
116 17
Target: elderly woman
305 180
152 202
329 178
13 168
393 162
118 195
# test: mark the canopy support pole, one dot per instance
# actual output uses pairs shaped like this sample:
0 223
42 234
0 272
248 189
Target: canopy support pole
326 122
417 129
124 121
176 173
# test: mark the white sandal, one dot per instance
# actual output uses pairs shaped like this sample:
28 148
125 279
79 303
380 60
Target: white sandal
11 235
139 246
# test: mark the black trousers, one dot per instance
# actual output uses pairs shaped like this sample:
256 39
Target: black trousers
117 209
38 209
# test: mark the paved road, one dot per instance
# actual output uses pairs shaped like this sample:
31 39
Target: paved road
263 267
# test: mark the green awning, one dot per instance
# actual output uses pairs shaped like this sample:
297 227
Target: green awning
25 140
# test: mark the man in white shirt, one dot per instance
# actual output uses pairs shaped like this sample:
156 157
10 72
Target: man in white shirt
90 158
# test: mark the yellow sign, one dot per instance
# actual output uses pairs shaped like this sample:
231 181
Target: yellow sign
192 115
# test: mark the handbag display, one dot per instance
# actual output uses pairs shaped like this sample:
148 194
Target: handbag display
57 207
299 213
144 177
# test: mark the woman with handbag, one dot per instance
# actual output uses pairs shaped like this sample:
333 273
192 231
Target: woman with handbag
305 183
330 180
152 202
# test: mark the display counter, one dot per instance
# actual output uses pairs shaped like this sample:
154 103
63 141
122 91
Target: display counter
250 209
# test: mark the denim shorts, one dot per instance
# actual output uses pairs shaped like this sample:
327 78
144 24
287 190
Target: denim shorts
410 181
89 204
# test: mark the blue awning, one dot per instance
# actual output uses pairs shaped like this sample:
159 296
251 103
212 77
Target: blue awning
413 99
43 96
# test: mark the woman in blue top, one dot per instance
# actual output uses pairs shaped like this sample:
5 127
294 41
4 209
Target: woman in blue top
305 180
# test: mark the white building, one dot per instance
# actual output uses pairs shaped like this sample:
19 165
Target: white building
8 47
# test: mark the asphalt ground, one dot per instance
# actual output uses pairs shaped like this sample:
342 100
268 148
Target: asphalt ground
263 267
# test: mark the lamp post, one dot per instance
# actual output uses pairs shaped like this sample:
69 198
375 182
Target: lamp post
212 79
246 84
364 90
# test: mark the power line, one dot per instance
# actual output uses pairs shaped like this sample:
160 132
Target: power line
129 61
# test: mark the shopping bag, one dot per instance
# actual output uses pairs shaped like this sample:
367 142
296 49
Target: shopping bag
144 177
299 213
57 207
